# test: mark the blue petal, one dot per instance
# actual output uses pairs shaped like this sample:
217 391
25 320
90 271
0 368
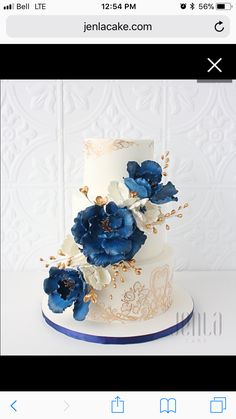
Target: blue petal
138 239
83 219
164 194
144 183
116 246
141 186
128 223
54 271
95 228
57 304
115 221
133 169
91 244
103 259
50 285
151 170
111 208
85 291
78 230
80 310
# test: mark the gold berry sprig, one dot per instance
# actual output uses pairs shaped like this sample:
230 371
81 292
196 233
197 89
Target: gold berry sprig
166 160
99 200
61 263
175 213
121 267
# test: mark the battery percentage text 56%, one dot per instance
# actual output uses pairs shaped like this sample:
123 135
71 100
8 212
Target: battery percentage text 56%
206 6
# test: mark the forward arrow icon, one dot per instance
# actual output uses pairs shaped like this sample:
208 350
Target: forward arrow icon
67 406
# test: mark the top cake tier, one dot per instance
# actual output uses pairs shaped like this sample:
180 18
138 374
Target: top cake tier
106 160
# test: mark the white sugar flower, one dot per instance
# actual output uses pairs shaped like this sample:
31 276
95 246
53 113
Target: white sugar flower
95 276
145 213
71 249
120 194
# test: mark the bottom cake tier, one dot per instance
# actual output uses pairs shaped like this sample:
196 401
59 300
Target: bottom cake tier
139 297
120 333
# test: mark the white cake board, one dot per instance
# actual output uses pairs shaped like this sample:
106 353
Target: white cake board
165 324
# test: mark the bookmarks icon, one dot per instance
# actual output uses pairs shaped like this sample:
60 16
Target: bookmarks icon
168 405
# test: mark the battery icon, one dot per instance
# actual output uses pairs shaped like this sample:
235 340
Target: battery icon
224 6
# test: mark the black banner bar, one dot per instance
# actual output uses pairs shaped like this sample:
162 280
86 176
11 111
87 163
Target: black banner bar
114 373
116 61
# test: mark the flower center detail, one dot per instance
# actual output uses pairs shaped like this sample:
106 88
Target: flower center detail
152 184
66 286
132 194
143 209
105 225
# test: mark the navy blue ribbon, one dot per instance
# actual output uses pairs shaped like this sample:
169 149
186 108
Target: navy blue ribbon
111 340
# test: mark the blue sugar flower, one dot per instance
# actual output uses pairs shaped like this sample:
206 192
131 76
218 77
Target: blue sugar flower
65 287
145 180
108 234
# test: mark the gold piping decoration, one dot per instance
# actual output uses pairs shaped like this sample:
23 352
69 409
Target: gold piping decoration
140 302
100 148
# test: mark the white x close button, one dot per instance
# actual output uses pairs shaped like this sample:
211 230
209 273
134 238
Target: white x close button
214 65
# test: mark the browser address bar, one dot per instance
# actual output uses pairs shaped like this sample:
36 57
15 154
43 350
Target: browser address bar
162 26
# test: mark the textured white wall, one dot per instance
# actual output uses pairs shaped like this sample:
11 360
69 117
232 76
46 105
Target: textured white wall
44 123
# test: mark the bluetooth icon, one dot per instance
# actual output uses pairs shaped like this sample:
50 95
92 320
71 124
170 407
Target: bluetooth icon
192 6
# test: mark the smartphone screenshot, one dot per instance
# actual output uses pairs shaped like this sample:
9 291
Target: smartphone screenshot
118 194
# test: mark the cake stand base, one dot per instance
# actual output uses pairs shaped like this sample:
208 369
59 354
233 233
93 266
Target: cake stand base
165 324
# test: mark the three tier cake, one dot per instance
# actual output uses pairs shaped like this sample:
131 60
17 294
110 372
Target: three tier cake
116 267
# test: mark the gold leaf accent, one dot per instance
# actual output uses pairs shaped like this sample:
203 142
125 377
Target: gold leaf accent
61 253
101 201
160 219
133 194
91 296
84 190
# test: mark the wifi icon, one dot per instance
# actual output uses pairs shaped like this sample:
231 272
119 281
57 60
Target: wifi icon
9 6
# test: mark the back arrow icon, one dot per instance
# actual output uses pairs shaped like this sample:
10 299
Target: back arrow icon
12 405
67 406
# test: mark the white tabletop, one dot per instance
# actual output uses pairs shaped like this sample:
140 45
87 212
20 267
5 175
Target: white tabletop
212 330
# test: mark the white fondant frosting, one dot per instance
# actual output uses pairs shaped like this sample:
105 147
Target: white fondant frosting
106 160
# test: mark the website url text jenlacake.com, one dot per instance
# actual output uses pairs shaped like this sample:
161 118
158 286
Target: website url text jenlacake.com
96 27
